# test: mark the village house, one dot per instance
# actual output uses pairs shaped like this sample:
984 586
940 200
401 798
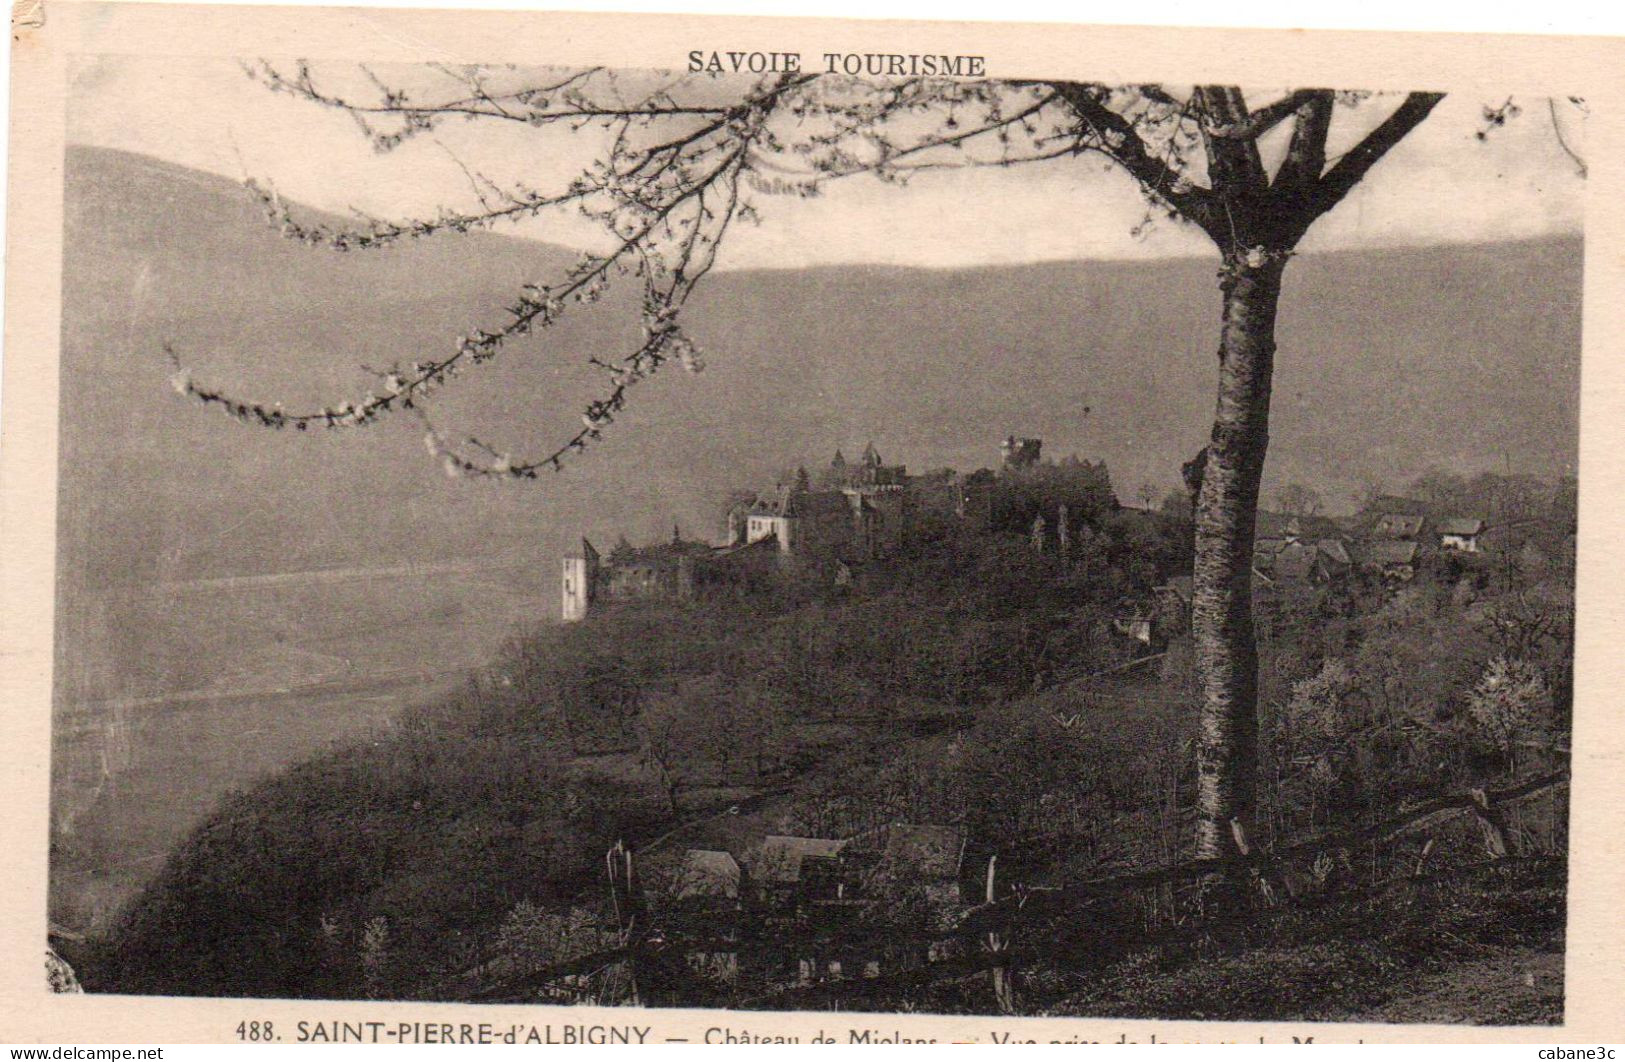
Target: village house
709 878
1460 533
1389 516
882 870
1135 621
1392 540
1392 559
821 893
1300 562
1404 536
790 873
1407 526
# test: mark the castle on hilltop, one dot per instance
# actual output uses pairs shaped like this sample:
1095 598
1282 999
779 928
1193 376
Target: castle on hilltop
850 514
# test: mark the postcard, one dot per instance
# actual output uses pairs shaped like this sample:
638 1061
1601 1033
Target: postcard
531 527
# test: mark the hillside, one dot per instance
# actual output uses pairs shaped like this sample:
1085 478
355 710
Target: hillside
1465 356
971 698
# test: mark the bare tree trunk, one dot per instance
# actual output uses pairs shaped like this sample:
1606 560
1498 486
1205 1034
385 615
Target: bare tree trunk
1226 512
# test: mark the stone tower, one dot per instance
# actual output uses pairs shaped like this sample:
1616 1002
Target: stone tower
579 583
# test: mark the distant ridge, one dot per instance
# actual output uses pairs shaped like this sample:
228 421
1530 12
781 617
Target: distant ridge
1464 356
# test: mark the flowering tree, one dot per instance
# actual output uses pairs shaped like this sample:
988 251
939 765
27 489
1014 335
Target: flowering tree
1511 701
684 156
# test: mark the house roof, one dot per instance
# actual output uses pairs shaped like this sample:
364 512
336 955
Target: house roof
1387 551
708 873
1272 525
1273 557
665 554
586 552
1334 549
1399 525
1294 560
782 504
1461 525
780 858
800 503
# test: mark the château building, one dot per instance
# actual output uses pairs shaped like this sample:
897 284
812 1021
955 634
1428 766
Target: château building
849 514
670 571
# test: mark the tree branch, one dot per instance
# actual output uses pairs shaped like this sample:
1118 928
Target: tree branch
1306 153
1122 142
892 162
1267 117
1235 168
1341 178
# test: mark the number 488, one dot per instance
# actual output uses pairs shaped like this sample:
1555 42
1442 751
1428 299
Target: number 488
255 1031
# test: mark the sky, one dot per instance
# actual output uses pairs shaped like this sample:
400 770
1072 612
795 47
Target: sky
1440 185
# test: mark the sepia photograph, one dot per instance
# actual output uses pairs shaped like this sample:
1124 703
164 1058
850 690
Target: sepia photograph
814 531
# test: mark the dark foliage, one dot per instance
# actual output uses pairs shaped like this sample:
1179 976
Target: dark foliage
979 684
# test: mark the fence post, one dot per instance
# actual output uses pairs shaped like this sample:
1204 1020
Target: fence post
623 901
1422 858
1497 838
998 944
1270 877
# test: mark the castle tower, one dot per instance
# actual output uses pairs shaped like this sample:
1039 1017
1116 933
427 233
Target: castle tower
836 475
578 583
1019 452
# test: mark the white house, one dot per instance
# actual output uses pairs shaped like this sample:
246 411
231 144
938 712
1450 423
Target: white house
1460 533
